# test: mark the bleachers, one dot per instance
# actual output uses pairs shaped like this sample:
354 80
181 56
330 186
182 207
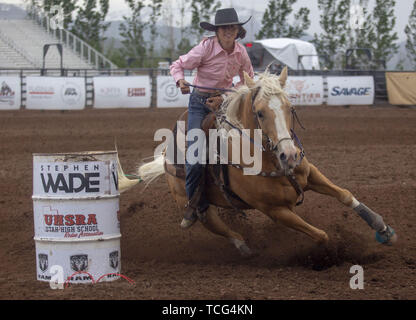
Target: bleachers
30 38
10 58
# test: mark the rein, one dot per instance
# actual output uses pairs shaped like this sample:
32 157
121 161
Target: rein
208 88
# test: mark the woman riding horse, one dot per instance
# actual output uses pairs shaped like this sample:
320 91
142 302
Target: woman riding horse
265 105
218 59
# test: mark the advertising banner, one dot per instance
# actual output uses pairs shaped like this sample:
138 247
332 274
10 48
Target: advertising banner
79 262
55 93
67 179
353 90
10 93
168 95
122 92
305 91
76 219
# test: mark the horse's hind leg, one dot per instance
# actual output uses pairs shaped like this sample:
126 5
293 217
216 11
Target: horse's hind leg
321 184
214 224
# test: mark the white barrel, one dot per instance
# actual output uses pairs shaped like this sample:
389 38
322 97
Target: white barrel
76 215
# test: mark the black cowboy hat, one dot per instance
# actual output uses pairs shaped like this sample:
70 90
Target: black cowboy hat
223 17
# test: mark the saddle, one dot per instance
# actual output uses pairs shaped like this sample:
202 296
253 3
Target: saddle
215 175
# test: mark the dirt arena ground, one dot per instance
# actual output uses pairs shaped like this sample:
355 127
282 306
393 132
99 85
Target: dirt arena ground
368 150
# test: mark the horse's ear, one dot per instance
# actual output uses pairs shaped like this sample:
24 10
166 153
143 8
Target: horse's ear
283 77
248 81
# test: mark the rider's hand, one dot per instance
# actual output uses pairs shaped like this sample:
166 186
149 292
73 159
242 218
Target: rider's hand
214 102
184 86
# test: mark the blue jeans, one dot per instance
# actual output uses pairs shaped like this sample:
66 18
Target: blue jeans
196 113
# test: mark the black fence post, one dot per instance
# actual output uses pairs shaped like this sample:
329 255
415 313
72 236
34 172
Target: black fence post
153 100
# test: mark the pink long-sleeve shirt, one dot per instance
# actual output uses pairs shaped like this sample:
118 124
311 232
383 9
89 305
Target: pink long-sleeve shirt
215 67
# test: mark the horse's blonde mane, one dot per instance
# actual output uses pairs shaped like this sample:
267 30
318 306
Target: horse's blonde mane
269 85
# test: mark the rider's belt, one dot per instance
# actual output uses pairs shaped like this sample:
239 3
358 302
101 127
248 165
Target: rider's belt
206 94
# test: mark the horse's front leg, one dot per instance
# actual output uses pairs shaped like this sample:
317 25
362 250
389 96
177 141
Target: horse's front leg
291 220
321 184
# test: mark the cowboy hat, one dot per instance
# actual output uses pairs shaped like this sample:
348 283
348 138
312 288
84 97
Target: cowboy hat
223 17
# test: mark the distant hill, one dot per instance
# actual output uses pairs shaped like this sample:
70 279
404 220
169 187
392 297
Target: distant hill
11 11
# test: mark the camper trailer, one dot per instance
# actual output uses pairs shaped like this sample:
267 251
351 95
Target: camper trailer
294 53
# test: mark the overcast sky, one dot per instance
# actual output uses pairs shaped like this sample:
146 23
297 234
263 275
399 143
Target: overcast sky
402 10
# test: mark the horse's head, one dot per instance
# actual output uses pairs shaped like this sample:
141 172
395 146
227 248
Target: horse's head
272 109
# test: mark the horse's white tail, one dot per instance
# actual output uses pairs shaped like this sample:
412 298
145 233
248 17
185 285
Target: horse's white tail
150 171
124 183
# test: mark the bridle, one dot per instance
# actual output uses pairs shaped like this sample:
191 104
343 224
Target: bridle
293 137
289 175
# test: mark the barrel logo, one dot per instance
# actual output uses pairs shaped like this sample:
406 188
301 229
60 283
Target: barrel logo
113 257
79 262
43 261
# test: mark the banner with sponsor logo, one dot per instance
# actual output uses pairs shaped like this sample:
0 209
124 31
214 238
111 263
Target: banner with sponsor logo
305 91
71 219
91 179
10 93
79 262
168 95
122 92
353 90
55 93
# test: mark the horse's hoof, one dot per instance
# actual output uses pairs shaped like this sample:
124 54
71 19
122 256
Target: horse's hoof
186 224
387 237
242 247
245 251
323 240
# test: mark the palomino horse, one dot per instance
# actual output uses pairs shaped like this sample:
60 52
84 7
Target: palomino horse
275 191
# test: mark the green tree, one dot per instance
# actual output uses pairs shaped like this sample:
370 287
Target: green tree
184 44
275 20
362 36
410 31
334 21
89 24
202 10
68 7
384 46
115 55
155 6
131 30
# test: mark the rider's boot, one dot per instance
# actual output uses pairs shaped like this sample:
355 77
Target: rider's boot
195 208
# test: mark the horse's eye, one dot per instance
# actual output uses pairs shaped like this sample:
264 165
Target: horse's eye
260 114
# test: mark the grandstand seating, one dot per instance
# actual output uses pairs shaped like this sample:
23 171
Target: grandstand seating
10 58
24 48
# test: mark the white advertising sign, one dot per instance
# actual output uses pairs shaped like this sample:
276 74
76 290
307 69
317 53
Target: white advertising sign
69 179
122 92
305 91
10 93
168 95
80 219
79 262
353 90
55 93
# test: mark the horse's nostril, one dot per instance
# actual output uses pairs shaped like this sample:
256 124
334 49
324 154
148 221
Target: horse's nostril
282 157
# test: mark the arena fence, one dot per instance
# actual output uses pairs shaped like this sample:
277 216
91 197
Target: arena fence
75 89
